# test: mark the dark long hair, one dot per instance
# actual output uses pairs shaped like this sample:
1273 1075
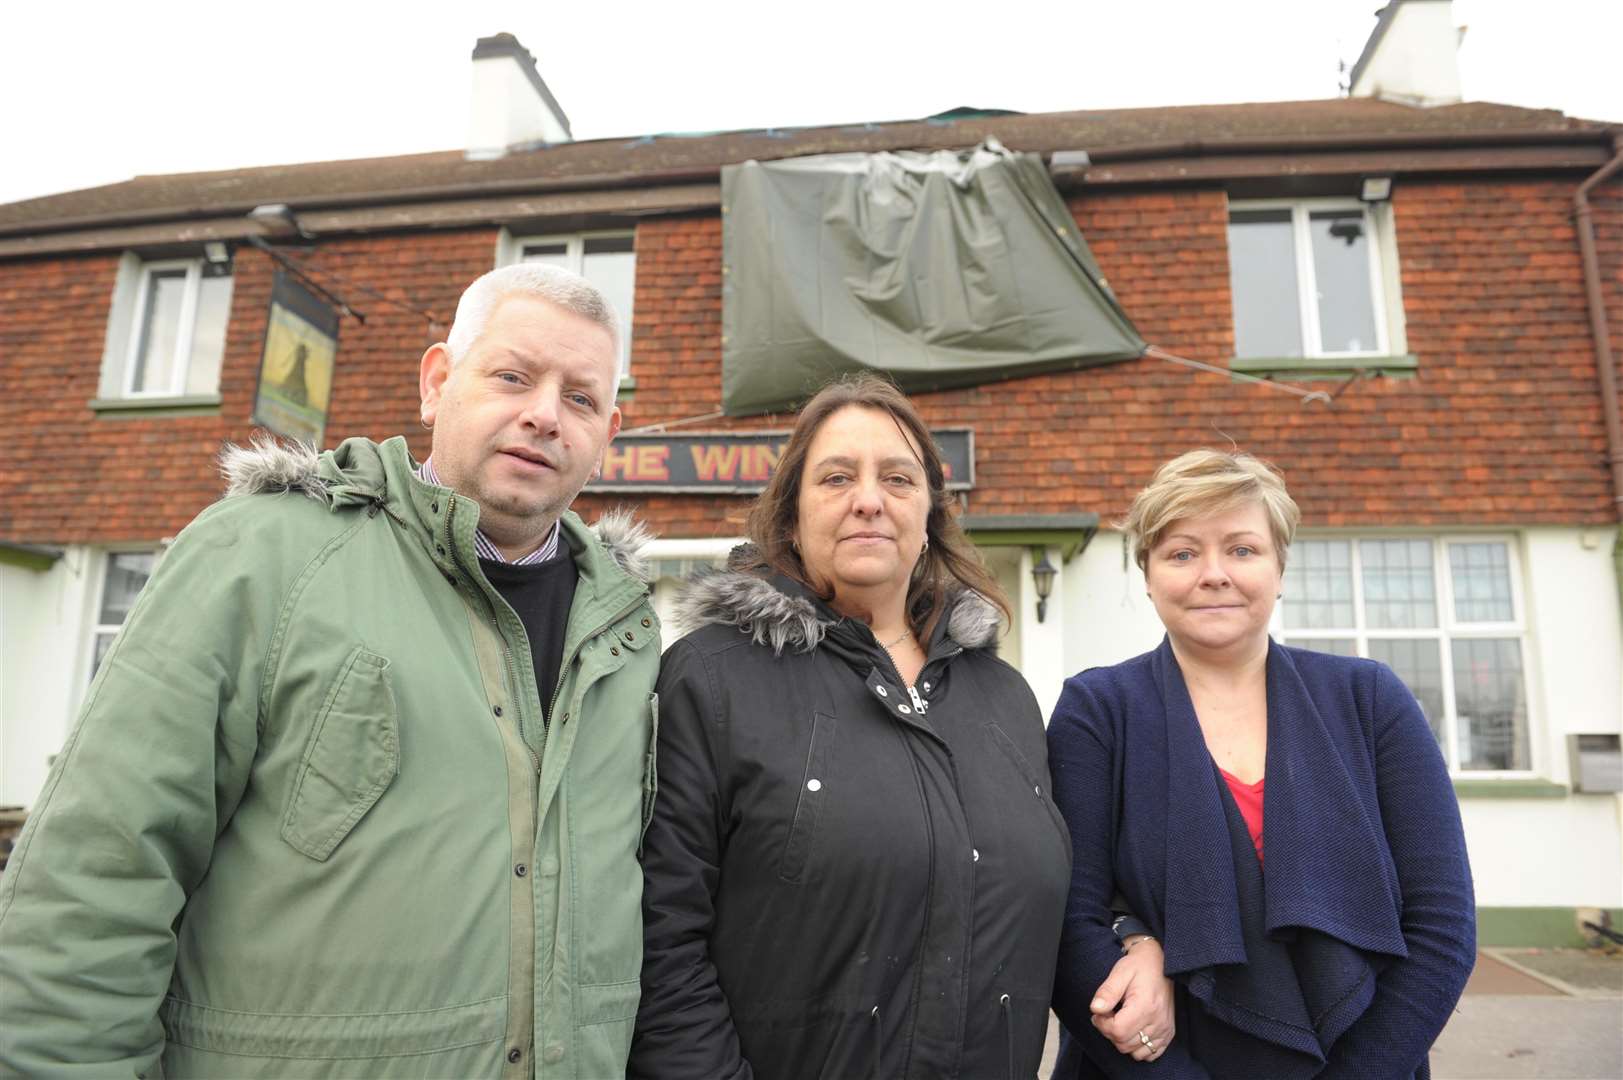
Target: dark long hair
950 561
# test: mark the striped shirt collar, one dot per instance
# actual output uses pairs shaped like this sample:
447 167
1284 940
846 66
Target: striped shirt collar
482 544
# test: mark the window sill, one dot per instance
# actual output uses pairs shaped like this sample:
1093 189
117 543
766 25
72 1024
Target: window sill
1508 789
1325 367
146 408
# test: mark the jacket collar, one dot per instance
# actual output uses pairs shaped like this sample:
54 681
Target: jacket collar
1327 868
359 472
783 614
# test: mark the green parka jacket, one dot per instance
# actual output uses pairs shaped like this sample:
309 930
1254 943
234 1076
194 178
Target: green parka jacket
311 822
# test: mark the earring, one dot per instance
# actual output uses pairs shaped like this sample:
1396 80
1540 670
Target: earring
926 546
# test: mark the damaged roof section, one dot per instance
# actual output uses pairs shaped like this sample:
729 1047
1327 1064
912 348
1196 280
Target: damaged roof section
939 270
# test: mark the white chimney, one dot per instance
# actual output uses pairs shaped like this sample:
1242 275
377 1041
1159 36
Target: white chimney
512 107
1413 55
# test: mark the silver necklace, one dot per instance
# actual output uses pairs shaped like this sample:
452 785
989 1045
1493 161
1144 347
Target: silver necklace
891 645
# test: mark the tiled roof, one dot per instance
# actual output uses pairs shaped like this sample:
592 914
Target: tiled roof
654 159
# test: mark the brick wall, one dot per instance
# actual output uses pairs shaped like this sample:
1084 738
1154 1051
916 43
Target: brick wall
1501 426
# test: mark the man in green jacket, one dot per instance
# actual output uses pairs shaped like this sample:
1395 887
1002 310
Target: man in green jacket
358 790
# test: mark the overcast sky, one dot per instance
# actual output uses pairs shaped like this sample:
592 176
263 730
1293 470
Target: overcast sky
95 92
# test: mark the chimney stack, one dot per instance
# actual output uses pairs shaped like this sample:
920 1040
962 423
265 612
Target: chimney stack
1413 55
512 107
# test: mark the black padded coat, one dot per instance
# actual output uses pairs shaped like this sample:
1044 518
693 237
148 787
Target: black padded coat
839 884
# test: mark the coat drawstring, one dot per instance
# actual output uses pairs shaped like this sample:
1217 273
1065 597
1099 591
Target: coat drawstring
1008 1026
878 1045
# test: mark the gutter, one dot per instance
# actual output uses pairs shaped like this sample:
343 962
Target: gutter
700 174
1605 364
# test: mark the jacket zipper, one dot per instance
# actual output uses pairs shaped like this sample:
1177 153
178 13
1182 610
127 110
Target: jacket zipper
556 693
507 652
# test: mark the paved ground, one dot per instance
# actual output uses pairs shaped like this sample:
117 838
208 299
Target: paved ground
1527 1014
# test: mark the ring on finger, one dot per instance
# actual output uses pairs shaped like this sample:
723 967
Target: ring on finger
1145 1039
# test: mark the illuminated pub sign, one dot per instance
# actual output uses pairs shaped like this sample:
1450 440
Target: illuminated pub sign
723 463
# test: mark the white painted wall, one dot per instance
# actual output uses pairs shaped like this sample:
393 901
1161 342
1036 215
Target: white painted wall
43 641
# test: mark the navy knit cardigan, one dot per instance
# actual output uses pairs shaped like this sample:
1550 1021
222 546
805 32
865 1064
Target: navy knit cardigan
1366 909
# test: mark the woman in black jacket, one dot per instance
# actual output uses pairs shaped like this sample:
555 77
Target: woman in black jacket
854 868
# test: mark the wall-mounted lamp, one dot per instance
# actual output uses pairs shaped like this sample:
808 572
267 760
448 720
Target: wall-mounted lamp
1376 189
278 221
1042 578
216 252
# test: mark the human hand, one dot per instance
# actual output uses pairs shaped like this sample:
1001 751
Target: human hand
1133 1006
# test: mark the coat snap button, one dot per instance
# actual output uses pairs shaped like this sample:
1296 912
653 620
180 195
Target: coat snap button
614 651
630 636
880 690
497 710
1039 791
814 784
974 854
904 710
521 869
927 686
434 507
515 1055
647 623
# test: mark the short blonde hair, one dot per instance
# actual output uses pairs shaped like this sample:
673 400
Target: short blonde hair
1205 482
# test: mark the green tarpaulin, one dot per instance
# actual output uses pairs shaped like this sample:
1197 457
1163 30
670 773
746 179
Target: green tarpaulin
939 270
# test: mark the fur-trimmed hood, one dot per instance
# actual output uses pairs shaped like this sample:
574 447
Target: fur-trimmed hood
785 621
355 473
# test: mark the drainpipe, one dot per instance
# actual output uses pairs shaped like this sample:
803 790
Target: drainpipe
1605 364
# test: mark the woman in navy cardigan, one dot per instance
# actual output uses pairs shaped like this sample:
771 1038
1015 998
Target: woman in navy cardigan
1184 772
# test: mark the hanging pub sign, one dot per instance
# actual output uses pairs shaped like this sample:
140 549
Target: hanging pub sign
736 463
296 363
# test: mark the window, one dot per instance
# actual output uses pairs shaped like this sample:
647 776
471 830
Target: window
166 334
606 259
127 573
1314 279
1445 614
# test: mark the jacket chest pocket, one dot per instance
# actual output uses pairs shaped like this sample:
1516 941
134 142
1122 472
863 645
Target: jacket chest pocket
351 756
814 789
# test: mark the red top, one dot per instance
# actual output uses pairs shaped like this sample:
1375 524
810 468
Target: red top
1248 797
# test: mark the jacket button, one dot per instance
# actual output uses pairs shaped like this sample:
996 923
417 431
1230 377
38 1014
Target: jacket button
1039 791
566 718
974 854
515 1055
521 869
614 651
880 690
554 1054
497 710
440 548
434 507
647 623
814 784
630 636
904 710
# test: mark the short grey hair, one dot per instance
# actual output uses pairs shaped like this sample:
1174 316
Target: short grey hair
553 284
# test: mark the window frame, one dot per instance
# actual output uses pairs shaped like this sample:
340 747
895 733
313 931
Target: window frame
93 627
1386 299
185 331
510 250
1448 630
127 320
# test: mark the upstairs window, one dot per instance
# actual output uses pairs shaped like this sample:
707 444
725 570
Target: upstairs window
606 259
166 333
1445 614
1313 279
